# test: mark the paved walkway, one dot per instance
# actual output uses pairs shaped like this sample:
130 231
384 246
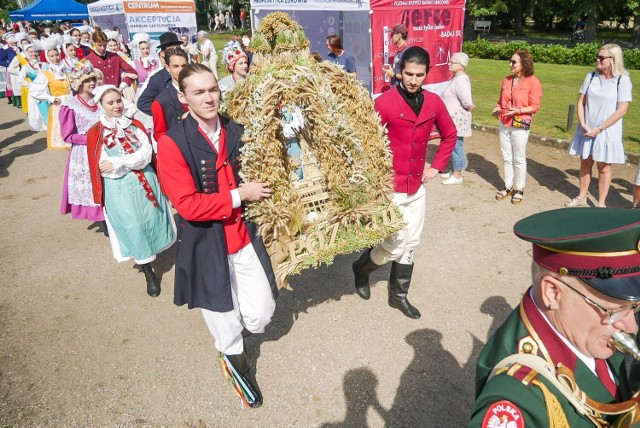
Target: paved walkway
81 344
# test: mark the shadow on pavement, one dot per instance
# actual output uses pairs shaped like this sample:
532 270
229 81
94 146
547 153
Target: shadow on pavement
485 169
11 124
555 179
433 388
311 288
7 159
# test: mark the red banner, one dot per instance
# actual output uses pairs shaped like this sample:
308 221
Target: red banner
435 25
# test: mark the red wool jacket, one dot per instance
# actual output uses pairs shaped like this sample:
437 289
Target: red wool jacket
112 66
409 136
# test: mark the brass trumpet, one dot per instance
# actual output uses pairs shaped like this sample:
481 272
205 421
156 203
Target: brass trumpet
625 342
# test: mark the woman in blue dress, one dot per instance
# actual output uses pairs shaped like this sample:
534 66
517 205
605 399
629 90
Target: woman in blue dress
604 99
138 216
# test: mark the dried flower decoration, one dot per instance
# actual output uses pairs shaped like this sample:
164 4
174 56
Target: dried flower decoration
342 203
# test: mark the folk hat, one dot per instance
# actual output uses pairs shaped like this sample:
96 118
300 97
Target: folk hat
231 53
81 71
168 39
599 246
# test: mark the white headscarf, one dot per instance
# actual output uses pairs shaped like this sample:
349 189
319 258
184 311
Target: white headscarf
117 124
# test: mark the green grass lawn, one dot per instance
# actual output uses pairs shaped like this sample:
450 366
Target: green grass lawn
560 84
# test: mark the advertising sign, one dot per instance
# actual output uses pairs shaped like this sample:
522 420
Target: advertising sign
330 5
435 25
158 17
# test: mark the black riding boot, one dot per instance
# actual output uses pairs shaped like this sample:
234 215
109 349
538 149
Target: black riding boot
247 381
399 283
153 285
362 268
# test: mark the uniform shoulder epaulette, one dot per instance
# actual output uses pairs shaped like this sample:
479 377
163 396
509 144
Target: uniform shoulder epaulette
520 372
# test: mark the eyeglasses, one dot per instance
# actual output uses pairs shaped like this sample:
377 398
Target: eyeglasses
602 58
613 316
513 62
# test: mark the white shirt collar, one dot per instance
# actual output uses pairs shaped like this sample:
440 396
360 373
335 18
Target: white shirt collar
588 361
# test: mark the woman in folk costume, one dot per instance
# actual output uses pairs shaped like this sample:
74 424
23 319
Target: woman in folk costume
7 53
70 52
77 114
51 88
145 65
137 214
13 70
75 38
237 63
37 112
114 46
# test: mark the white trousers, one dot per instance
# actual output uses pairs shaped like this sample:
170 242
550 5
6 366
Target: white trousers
513 144
400 246
253 303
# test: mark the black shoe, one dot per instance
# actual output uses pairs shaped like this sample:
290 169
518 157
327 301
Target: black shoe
362 268
9 100
241 378
399 283
105 229
153 285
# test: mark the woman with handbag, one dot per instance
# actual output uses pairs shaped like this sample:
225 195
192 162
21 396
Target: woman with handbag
603 101
137 214
457 99
519 100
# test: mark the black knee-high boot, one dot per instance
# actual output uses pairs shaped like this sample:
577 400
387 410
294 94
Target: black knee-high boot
399 283
362 268
153 285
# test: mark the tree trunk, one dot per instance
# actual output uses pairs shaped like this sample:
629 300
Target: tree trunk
636 29
518 18
592 26
468 33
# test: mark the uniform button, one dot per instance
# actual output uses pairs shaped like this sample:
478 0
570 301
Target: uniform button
236 220
224 217
203 169
225 163
204 175
204 183
202 162
401 114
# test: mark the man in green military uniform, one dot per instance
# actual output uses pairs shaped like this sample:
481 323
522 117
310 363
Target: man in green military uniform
551 364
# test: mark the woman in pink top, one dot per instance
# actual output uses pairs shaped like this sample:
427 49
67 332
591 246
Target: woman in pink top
519 100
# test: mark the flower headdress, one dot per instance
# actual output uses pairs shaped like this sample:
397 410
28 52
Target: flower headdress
231 52
81 71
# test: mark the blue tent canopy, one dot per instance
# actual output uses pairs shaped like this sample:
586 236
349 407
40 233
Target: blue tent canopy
49 10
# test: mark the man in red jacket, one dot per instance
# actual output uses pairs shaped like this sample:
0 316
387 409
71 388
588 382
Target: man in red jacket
410 114
222 265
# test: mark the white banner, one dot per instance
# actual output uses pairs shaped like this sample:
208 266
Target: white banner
337 5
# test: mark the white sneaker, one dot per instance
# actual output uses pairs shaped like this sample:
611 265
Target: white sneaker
445 175
453 180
